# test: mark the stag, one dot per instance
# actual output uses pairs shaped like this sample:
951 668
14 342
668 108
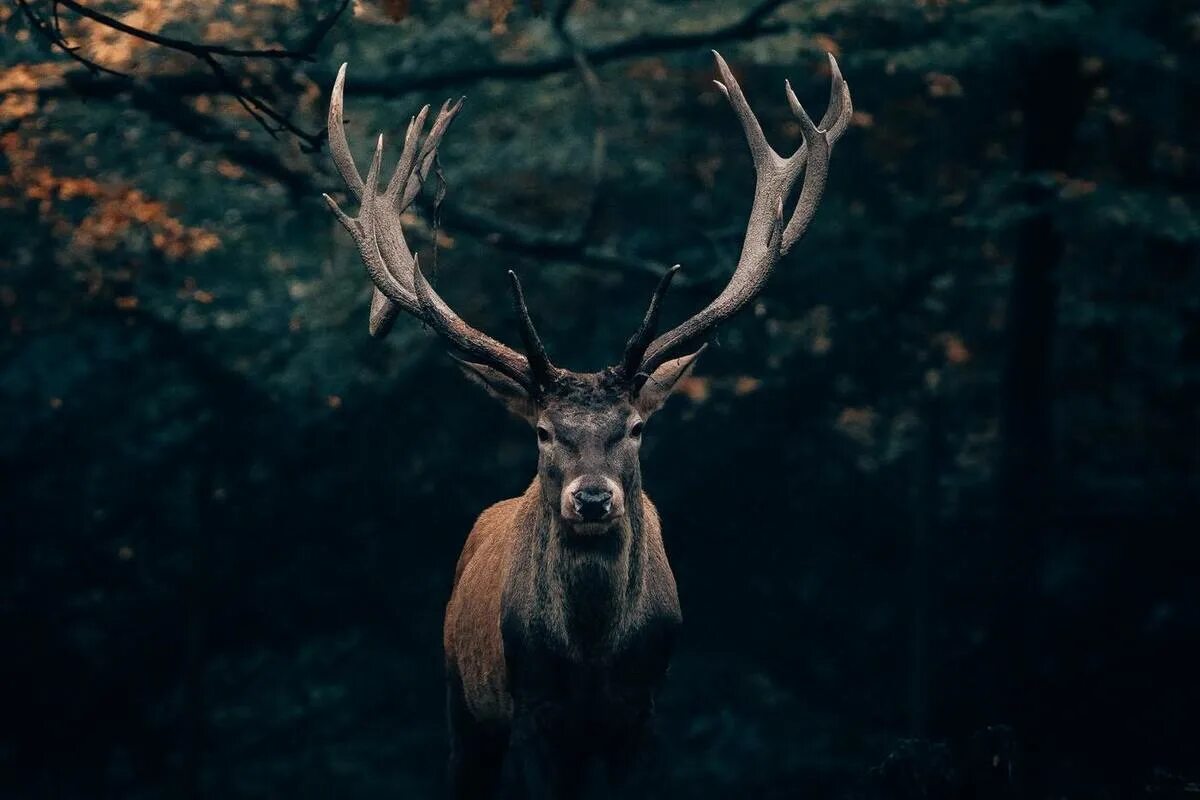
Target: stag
564 611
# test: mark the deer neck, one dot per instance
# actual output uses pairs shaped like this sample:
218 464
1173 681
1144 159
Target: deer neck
589 586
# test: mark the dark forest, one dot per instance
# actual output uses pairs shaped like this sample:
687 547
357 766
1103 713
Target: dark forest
932 500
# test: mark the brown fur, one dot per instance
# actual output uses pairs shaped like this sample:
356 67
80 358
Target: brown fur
471 634
472 637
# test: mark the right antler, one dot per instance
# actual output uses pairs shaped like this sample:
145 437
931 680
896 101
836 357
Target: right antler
399 283
766 236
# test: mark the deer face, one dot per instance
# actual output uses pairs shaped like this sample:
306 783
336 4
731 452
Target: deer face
589 431
588 460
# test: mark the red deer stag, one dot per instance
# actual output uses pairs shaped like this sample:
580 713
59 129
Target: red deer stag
564 611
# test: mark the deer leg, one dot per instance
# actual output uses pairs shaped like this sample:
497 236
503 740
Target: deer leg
626 746
476 749
629 752
544 763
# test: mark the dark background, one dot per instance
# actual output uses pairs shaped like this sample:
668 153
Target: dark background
932 502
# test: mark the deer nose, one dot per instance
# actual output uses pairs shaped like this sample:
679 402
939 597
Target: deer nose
592 504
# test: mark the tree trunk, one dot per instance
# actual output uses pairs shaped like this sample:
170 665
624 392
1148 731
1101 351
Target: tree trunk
1053 101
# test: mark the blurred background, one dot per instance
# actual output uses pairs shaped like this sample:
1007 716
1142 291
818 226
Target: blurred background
932 502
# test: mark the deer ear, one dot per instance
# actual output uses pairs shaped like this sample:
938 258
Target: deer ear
501 387
659 385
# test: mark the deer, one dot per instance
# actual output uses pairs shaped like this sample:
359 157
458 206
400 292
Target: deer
564 612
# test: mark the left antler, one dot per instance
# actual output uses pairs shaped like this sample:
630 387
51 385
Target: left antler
402 189
767 238
399 283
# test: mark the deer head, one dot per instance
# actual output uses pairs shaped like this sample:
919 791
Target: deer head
589 425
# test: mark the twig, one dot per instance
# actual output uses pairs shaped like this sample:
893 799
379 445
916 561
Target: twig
270 119
182 45
204 128
261 111
313 39
53 34
527 241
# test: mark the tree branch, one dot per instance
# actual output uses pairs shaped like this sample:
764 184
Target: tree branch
53 34
532 243
752 25
270 119
204 128
182 45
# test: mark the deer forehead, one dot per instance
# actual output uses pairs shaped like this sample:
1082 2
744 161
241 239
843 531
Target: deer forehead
602 420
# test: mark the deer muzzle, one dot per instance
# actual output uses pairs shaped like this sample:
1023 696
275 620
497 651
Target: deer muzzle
592 501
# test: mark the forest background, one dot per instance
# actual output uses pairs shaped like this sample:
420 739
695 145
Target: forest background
949 462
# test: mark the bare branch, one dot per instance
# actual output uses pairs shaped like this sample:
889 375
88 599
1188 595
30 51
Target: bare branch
753 24
312 40
182 45
53 34
262 112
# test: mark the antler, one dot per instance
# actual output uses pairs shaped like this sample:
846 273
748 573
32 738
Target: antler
399 282
636 347
767 238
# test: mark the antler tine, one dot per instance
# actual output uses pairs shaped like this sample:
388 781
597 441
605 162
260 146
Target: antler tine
766 236
814 154
362 229
471 342
428 153
760 148
408 155
815 172
383 310
380 257
385 243
395 252
841 107
544 372
339 148
636 347
402 189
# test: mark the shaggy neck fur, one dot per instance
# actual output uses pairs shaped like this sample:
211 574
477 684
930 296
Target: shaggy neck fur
587 586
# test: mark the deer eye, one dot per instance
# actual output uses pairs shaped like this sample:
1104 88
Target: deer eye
636 430
543 434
